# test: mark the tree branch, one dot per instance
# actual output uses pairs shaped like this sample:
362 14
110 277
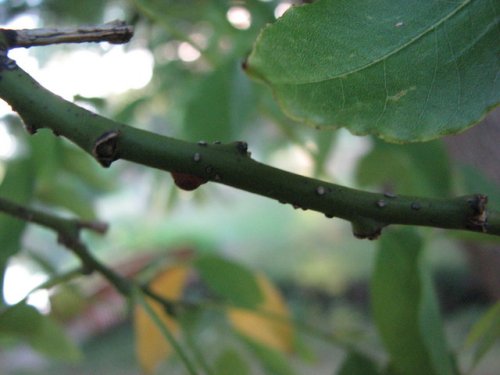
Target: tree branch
232 165
115 32
68 234
68 231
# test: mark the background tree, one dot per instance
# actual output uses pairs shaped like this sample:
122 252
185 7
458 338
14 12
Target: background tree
203 254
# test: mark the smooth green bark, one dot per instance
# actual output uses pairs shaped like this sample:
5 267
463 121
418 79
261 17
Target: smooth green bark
231 164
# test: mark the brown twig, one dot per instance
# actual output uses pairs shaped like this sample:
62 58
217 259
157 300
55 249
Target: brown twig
115 32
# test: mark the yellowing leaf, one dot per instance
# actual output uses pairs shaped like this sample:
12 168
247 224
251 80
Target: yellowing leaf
270 323
151 347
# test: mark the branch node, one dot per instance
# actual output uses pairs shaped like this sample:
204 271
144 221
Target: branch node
363 228
479 218
6 63
242 148
415 206
105 148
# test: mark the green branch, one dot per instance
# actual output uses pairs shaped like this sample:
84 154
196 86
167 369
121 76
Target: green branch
232 165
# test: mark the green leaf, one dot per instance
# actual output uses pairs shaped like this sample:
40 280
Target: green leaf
17 185
404 71
485 333
69 193
19 320
324 143
275 362
46 153
24 322
229 362
231 280
431 328
358 364
220 105
405 307
89 174
51 341
414 169
89 11
476 181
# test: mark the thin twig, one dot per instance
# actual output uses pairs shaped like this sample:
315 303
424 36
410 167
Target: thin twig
116 32
129 288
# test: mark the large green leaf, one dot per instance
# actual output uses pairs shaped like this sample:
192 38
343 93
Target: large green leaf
402 70
24 322
405 308
230 280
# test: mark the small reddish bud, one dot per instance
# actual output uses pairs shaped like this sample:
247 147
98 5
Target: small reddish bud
187 181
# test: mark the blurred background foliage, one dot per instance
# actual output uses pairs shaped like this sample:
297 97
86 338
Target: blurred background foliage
198 91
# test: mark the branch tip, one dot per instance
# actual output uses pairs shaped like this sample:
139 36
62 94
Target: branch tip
95 226
479 218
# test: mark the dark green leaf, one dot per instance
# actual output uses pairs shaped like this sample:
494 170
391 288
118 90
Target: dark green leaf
414 169
231 280
46 153
24 322
358 364
405 308
17 185
51 341
485 333
89 11
220 105
476 181
431 326
69 193
230 362
19 320
324 143
272 360
404 71
86 170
